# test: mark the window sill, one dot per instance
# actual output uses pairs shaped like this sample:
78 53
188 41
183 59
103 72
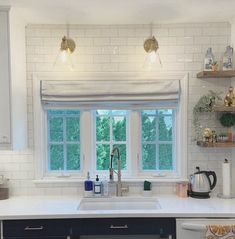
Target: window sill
76 181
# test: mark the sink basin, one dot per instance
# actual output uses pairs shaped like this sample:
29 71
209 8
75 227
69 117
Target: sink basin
119 203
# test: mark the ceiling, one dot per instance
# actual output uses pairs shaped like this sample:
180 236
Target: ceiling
123 11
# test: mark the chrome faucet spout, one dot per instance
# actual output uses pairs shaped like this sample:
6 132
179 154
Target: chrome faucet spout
111 170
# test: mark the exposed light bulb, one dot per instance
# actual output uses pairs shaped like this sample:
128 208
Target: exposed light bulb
64 59
152 57
151 46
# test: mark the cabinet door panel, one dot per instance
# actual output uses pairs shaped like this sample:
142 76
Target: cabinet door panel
34 228
4 79
125 226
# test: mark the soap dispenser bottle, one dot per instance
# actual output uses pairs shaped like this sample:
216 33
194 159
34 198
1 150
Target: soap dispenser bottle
88 186
97 186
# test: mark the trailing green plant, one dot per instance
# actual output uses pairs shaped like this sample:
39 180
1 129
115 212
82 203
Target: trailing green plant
227 120
204 104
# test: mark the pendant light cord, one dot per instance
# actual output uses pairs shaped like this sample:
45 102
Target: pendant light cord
151 29
67 30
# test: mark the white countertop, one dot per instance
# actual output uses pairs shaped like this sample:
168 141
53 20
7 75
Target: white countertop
67 207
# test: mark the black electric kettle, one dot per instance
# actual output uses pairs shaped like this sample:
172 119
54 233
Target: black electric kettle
201 183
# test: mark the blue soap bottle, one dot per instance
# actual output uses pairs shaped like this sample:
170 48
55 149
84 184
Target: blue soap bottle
88 186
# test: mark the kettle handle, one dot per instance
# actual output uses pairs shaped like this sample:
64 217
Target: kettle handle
212 173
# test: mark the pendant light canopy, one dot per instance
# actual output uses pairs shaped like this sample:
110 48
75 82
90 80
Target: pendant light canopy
67 44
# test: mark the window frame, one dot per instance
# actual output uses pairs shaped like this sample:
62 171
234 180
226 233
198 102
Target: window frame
88 151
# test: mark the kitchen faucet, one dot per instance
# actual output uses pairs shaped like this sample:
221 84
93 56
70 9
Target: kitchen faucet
119 188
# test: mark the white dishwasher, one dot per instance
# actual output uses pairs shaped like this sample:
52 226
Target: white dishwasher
195 228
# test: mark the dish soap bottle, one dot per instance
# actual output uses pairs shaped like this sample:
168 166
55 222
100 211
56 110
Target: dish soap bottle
209 59
88 186
228 59
97 186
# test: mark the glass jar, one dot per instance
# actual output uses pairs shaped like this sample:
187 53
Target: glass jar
209 59
228 59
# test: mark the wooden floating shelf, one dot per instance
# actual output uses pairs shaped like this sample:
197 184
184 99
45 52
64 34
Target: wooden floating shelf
223 108
216 74
217 144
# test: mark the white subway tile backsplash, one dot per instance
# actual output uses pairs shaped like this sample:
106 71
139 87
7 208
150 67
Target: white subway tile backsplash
101 41
119 48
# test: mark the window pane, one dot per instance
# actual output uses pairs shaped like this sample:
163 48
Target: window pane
73 129
122 148
56 157
148 128
165 128
73 156
63 129
72 112
102 129
165 157
55 112
165 111
119 128
56 129
118 112
102 112
149 156
103 156
149 112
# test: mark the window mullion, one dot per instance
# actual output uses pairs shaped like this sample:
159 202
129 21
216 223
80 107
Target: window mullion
65 141
157 141
111 131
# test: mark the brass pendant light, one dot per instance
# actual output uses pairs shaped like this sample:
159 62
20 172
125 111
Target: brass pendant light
151 46
67 47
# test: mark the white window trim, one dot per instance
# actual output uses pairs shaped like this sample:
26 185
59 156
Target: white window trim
39 132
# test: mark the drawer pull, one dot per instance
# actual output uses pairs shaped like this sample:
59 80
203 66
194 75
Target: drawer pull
118 227
28 228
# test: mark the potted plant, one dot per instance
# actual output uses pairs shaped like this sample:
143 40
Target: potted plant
215 66
204 104
228 120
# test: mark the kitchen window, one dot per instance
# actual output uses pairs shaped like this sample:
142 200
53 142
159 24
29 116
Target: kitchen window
111 131
78 131
63 148
158 139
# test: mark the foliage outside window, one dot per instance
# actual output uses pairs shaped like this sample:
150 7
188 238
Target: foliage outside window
158 139
111 131
63 140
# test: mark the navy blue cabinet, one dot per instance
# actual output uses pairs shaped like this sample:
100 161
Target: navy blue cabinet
77 228
35 229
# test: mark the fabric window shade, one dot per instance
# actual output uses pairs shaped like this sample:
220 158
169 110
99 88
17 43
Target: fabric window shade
109 92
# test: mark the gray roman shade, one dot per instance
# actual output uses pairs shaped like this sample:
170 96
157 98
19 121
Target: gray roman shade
92 92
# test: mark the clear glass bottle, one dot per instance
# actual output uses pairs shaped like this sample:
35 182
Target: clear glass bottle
209 59
228 59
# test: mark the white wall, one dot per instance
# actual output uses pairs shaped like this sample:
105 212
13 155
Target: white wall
119 48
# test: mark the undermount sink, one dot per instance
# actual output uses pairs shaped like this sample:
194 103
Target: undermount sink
119 203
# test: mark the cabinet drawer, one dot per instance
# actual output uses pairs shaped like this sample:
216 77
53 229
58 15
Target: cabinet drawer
34 228
125 226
